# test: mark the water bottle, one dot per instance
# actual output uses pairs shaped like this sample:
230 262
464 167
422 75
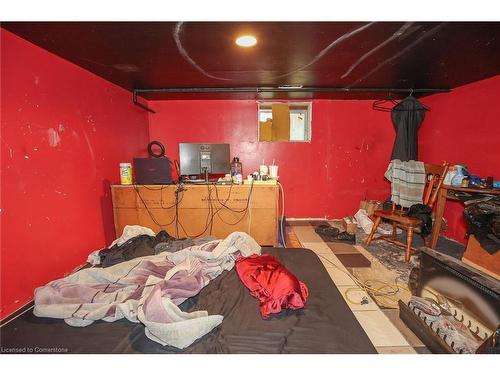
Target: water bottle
236 167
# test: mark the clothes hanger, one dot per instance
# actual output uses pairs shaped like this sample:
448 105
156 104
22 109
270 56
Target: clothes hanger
425 108
381 105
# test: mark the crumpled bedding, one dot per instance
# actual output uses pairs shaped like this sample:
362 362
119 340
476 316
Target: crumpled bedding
129 232
271 283
146 290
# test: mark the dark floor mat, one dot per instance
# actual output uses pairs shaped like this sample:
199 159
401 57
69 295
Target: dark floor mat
354 260
342 248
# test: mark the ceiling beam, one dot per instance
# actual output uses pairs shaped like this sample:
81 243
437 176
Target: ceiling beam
288 89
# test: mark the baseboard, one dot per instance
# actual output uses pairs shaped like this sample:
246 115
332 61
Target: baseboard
19 311
28 305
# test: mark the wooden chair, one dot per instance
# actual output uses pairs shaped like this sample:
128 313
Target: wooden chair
435 175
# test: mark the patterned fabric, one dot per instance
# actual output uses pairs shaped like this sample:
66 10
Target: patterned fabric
146 290
407 181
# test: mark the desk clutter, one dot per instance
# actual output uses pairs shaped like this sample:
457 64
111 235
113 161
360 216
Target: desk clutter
459 176
199 163
210 196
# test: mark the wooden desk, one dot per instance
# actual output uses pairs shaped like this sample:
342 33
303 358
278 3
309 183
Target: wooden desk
441 202
233 208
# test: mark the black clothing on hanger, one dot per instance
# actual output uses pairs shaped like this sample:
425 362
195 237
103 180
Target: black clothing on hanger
407 116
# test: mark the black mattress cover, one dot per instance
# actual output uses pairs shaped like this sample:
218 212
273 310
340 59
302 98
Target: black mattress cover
325 325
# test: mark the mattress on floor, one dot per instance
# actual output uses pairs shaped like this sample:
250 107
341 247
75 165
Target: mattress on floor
325 325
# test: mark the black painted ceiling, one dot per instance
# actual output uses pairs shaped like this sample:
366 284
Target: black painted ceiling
313 54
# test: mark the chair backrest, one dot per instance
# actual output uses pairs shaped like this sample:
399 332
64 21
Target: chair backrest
435 175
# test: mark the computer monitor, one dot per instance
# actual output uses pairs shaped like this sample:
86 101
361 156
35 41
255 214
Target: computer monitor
195 157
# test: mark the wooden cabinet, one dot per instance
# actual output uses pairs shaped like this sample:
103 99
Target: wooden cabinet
480 259
200 210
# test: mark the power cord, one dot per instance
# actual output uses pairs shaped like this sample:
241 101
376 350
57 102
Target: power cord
212 210
369 287
244 211
282 214
148 210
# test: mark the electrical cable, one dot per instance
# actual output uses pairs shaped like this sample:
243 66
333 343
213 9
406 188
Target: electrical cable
249 218
368 287
211 209
208 221
282 214
244 211
150 149
148 210
232 209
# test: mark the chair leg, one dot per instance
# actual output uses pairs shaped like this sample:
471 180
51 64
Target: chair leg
409 241
374 229
394 230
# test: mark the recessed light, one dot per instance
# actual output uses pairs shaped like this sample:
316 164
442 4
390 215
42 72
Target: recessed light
246 41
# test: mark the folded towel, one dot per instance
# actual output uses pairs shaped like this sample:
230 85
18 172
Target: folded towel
408 181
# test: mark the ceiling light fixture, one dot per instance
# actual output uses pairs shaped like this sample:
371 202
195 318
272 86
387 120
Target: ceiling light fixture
246 41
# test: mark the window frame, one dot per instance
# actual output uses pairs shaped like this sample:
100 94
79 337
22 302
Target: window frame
290 103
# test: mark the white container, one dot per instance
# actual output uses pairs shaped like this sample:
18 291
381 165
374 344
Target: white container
264 170
273 171
126 173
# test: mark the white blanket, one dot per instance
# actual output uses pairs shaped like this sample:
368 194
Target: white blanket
146 290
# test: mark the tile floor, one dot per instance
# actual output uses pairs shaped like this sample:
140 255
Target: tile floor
384 328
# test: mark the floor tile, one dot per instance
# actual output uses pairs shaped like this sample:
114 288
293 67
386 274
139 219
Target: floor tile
339 278
365 252
342 248
393 315
354 260
357 295
306 234
422 350
317 247
291 238
330 260
395 350
379 329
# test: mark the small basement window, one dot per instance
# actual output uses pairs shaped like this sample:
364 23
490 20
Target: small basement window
284 122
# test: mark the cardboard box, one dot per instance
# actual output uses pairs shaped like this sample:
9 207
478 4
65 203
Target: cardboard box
281 122
370 206
349 224
265 134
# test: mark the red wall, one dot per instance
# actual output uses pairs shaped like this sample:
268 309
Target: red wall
64 132
344 163
463 127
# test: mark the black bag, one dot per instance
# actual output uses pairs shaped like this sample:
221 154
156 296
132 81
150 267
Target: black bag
422 212
483 221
